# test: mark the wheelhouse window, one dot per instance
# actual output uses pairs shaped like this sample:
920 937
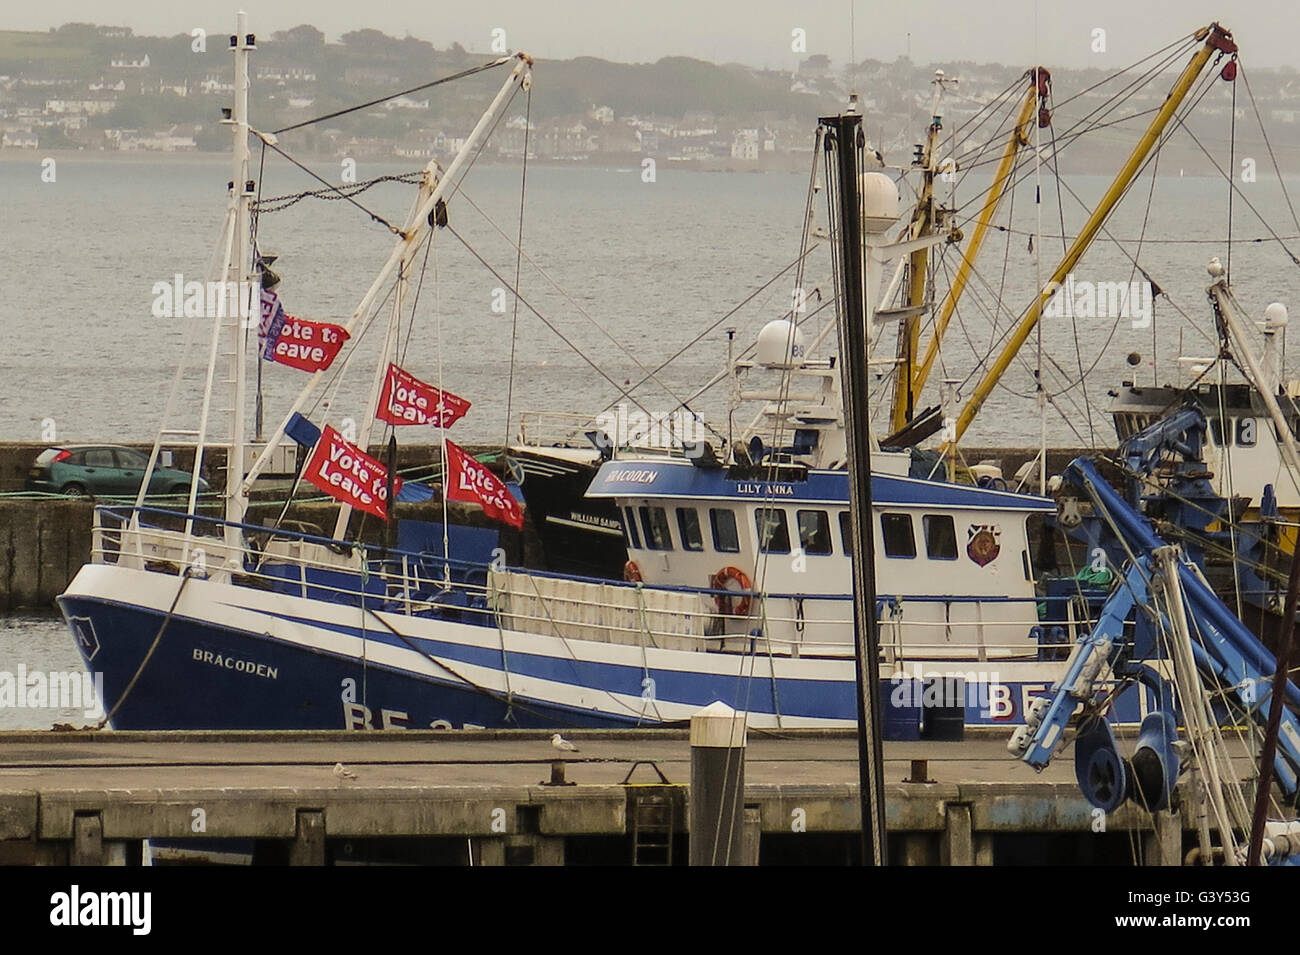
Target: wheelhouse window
773 530
726 538
629 526
654 522
896 530
940 537
688 528
814 531
846 533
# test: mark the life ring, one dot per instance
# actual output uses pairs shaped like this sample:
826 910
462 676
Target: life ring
737 605
632 573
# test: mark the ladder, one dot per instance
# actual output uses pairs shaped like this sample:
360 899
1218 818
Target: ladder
654 814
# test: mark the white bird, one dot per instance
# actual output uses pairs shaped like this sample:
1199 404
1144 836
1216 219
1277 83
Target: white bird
562 744
342 773
1215 267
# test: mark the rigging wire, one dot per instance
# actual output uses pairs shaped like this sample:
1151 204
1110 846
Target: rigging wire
333 193
578 307
384 99
329 186
1232 169
519 252
623 392
1277 171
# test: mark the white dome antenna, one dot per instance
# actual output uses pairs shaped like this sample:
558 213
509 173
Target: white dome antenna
879 201
780 345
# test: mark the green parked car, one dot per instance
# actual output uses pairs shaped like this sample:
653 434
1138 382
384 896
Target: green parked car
102 471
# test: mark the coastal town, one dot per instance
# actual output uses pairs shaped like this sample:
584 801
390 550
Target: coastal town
102 88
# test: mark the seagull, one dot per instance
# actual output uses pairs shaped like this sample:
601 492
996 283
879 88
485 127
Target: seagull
562 744
1215 267
342 773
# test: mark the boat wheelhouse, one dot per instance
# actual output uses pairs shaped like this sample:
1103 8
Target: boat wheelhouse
954 578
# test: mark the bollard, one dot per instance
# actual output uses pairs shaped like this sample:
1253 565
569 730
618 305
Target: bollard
717 785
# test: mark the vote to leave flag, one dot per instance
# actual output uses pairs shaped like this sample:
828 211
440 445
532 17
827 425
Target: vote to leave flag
346 473
308 346
408 400
468 480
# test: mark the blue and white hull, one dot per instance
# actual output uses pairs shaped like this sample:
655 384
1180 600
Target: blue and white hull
236 657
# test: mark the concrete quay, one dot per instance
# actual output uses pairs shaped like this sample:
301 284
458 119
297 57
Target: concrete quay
495 797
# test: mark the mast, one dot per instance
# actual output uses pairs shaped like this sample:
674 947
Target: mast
1019 137
844 140
389 350
408 240
1217 40
1230 321
924 222
237 274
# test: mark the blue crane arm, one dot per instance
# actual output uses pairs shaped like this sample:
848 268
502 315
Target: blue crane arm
1038 740
1230 658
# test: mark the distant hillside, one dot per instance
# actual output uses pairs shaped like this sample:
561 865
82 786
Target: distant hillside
102 87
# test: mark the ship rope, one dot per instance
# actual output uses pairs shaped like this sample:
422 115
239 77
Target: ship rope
329 186
157 639
333 193
494 595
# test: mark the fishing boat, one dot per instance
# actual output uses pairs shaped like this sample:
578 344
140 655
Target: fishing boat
739 570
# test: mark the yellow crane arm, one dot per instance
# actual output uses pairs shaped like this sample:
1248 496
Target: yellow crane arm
1216 39
1019 137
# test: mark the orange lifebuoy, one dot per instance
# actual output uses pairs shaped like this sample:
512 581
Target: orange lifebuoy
738 605
632 573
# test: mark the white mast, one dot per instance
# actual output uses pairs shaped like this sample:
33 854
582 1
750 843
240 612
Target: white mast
1225 306
237 269
409 239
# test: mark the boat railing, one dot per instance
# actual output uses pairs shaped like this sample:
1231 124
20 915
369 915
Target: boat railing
399 583
544 429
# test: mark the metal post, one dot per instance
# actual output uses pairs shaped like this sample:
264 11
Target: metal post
717 786
236 494
845 139
1275 702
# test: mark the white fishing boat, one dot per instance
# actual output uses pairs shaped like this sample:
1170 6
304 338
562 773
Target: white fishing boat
739 571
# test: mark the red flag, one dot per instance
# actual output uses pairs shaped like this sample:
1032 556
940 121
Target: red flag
345 472
468 480
408 400
308 346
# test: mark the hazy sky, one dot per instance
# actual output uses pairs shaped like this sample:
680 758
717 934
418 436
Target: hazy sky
757 32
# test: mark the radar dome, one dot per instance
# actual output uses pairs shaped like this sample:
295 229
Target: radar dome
879 201
1275 315
780 345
